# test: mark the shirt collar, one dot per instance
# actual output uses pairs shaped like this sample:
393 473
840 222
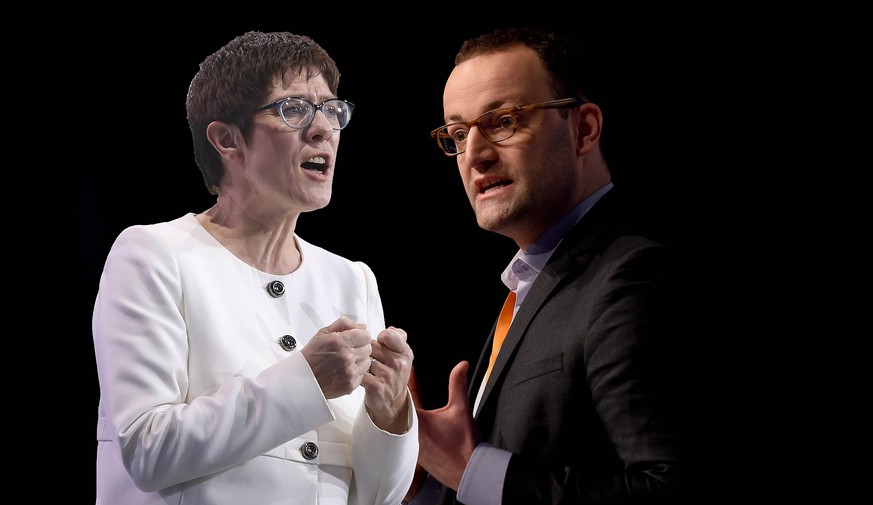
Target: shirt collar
528 263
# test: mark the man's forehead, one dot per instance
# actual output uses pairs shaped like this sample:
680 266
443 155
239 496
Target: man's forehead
491 81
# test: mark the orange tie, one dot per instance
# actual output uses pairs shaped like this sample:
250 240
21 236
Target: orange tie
503 323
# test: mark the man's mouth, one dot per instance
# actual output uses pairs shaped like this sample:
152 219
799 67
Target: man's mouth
487 187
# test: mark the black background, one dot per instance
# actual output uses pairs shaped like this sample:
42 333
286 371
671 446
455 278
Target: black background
672 85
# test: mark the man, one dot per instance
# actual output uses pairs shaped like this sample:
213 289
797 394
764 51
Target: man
576 408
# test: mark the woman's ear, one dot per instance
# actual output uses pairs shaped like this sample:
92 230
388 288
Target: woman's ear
589 125
226 139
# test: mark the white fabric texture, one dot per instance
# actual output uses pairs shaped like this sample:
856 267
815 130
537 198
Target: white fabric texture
199 404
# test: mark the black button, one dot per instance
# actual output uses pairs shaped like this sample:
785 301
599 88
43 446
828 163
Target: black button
288 343
309 450
276 289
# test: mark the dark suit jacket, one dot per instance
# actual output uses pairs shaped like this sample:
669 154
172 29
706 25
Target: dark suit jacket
581 390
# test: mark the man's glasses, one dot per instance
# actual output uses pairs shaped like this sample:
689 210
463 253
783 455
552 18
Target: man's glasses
299 112
496 125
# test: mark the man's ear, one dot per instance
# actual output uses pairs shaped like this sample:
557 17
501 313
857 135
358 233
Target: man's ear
226 138
589 126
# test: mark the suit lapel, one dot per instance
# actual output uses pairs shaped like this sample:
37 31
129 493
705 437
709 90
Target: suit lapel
572 254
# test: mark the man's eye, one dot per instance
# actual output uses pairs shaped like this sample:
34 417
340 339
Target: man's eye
505 121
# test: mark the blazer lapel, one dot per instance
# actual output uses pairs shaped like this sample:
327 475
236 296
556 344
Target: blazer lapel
573 253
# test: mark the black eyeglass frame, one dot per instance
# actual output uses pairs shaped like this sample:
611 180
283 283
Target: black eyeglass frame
314 107
442 132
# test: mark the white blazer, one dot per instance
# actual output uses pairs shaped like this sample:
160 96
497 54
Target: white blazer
199 403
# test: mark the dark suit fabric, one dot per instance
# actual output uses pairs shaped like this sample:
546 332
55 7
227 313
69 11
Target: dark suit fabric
582 392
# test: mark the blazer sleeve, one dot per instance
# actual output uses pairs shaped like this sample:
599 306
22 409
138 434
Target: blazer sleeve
141 346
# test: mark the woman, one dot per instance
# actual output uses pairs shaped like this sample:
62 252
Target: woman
239 363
